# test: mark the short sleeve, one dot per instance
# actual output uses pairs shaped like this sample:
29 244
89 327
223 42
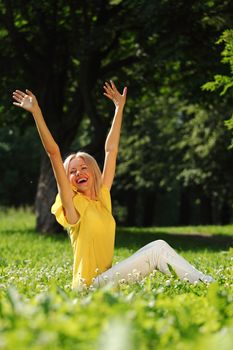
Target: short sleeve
106 198
80 204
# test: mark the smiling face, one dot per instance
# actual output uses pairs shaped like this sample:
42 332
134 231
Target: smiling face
80 175
84 174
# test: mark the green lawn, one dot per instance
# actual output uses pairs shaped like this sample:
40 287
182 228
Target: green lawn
38 310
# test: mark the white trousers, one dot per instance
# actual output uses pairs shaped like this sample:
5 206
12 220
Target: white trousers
157 255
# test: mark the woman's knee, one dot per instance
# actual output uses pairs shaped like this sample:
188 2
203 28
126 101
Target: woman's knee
160 243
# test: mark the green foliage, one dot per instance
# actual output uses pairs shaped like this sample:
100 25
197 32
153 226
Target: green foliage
38 310
169 144
19 167
163 51
224 82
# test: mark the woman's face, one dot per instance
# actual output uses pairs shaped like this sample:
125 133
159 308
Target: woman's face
80 176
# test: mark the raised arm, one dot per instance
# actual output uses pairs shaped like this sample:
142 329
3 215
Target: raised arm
29 102
113 137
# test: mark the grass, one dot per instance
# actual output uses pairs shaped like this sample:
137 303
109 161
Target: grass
38 309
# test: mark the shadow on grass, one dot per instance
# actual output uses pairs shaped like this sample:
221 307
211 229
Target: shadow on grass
194 242
137 239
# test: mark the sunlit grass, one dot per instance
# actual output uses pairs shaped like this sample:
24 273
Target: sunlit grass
16 220
38 309
202 229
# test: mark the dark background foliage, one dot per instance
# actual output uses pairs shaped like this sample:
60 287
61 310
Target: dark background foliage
174 166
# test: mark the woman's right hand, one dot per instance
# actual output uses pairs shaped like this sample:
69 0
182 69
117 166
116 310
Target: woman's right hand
26 100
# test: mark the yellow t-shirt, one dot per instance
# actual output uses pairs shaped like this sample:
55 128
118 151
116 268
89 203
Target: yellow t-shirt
92 237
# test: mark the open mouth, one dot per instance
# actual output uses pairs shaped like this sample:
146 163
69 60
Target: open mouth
82 180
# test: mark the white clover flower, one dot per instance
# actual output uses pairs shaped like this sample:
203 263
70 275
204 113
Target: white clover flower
122 281
91 288
167 282
142 282
153 273
136 276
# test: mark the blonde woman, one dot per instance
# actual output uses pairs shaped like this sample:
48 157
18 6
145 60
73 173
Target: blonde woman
83 207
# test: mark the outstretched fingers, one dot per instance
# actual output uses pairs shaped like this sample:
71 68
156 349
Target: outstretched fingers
108 87
18 94
113 86
29 92
17 97
24 100
113 94
108 90
17 104
108 96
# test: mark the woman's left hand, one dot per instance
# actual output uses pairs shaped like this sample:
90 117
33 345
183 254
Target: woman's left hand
113 94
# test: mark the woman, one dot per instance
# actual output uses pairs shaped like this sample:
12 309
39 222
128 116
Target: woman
83 207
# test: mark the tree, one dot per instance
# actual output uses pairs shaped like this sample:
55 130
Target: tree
224 82
189 145
64 50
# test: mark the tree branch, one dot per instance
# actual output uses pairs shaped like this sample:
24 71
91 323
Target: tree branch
112 66
20 43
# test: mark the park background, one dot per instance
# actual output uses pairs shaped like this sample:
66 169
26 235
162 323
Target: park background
174 173
174 166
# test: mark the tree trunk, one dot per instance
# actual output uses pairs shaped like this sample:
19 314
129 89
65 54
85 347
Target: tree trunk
148 212
45 196
225 215
206 210
131 203
184 215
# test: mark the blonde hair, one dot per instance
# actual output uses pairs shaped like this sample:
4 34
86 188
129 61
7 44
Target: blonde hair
93 166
